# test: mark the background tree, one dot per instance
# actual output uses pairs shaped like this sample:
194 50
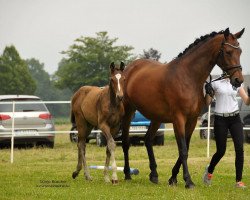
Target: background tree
88 61
46 89
15 77
152 54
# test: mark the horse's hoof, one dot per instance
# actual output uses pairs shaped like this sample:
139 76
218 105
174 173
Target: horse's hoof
88 178
128 177
172 181
154 179
190 185
74 175
114 182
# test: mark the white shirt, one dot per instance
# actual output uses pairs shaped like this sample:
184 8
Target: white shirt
225 95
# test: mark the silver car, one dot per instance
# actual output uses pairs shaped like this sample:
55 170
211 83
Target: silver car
32 121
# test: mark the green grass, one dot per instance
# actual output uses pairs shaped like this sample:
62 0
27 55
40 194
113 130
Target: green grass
41 173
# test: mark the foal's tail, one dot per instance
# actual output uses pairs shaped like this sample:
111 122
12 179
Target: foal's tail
72 118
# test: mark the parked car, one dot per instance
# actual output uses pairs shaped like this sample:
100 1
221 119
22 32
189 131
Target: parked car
30 121
244 115
138 128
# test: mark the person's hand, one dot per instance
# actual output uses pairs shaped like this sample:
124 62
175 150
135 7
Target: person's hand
209 89
248 91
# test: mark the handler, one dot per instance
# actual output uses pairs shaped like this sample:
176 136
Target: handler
226 118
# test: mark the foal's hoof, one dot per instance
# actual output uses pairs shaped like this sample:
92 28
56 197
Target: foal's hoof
74 175
114 182
172 181
190 185
154 179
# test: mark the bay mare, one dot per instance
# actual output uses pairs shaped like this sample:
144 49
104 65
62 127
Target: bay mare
102 108
173 93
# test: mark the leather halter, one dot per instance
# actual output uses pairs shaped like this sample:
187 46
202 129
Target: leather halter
237 67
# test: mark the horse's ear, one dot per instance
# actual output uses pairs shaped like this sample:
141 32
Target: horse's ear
226 33
122 66
112 66
239 34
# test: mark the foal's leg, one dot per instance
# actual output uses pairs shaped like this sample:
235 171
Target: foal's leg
83 131
110 154
111 147
85 167
149 137
106 168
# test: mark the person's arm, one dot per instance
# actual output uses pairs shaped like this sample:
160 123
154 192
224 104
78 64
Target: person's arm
209 93
208 99
245 96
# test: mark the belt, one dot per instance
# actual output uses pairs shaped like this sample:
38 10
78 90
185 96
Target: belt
228 114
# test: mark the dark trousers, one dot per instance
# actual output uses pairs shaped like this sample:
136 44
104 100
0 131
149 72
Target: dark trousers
221 127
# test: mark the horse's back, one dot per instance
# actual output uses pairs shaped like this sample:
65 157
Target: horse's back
153 83
84 103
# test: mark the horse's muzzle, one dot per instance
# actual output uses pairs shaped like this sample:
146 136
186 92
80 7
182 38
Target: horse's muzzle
236 82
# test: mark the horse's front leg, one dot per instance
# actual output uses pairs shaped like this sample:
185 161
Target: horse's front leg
149 137
183 145
106 168
125 142
111 147
110 155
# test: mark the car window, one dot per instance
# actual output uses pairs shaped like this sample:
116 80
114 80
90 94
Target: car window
23 107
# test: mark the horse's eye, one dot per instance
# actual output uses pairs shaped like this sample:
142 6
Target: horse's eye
228 53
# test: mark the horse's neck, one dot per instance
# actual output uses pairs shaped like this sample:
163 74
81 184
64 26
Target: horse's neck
202 60
114 104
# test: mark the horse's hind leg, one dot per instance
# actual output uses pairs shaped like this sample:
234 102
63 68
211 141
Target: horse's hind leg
149 137
80 159
83 131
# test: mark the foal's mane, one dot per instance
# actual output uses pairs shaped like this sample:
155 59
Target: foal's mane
199 40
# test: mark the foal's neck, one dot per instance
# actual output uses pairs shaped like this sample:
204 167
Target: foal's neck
114 103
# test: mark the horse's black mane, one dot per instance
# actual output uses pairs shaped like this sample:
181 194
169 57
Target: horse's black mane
198 40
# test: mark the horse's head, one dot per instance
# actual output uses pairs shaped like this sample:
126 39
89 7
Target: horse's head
229 57
117 80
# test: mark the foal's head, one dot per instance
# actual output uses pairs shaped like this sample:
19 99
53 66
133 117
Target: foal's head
117 79
229 57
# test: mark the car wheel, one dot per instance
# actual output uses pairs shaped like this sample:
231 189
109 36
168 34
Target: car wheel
50 144
159 140
73 136
100 140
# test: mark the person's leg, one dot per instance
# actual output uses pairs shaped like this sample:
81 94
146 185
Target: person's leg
236 130
220 133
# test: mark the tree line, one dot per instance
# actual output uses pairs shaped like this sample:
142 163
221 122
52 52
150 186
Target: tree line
84 63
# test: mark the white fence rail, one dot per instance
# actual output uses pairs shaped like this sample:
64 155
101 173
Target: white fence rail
12 130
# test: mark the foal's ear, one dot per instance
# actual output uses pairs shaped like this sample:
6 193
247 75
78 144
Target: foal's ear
239 34
112 66
226 33
122 66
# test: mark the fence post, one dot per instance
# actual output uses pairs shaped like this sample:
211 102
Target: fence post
12 132
208 131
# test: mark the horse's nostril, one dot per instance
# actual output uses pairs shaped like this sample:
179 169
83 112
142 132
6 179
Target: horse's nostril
238 81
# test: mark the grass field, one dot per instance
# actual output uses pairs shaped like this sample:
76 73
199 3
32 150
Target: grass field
42 173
